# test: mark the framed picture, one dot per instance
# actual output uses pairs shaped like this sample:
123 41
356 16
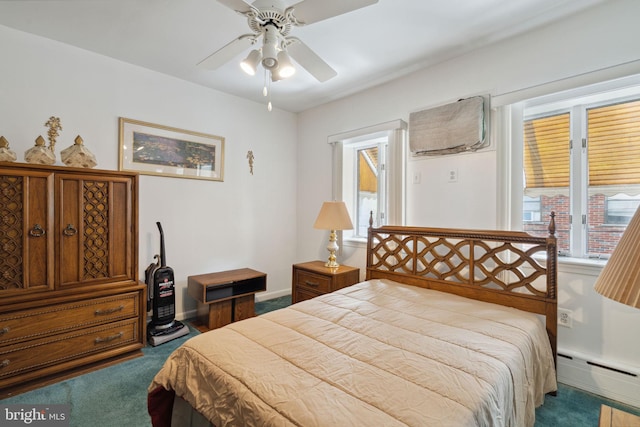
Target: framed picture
164 151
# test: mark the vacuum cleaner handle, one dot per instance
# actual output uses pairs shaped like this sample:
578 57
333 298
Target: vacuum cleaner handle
163 259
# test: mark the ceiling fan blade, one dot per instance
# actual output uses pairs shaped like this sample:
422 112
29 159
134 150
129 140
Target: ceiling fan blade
227 52
237 5
310 61
310 11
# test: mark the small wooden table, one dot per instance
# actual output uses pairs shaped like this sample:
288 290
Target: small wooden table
612 417
226 296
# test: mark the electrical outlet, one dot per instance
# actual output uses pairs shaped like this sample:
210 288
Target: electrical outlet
453 175
565 318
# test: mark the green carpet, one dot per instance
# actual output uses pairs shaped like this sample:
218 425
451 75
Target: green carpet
117 396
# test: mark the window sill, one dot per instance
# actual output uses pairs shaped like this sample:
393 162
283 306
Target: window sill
355 242
588 267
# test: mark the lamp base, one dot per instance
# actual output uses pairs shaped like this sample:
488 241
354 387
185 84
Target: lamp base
332 247
331 264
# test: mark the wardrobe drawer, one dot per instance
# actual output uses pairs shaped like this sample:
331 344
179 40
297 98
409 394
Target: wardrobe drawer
38 322
55 350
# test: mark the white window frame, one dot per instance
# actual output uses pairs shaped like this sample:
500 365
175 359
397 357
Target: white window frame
391 199
350 189
510 120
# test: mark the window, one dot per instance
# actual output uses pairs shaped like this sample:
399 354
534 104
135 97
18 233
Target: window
620 208
368 175
581 159
370 186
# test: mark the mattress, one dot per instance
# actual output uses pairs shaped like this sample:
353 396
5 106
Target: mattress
376 353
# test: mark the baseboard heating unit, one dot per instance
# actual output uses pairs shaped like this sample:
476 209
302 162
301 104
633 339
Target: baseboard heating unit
611 380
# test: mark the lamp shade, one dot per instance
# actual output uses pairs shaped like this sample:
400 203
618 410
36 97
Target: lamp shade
333 216
620 278
250 64
285 66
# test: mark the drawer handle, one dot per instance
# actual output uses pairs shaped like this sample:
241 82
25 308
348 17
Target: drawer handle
109 338
308 283
5 330
109 310
37 231
5 363
69 230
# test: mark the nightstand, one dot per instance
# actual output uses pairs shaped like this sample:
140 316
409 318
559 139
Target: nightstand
311 279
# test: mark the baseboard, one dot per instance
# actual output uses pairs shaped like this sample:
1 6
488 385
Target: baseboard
263 296
610 380
186 315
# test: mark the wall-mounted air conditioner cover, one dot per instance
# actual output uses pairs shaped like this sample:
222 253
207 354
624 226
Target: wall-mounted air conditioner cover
448 129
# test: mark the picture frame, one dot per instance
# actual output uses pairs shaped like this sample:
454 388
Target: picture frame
152 149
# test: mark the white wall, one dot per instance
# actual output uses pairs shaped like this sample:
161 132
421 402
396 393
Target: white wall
245 221
603 37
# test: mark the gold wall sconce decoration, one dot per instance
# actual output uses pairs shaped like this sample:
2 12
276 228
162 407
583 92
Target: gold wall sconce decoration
250 157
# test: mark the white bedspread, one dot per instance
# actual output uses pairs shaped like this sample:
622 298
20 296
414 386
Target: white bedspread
377 353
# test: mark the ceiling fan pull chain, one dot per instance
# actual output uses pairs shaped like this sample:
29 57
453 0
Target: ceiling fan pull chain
269 102
265 92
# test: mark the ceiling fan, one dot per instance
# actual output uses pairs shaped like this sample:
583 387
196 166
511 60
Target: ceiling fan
272 21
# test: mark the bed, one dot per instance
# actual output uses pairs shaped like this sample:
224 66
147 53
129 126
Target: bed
450 327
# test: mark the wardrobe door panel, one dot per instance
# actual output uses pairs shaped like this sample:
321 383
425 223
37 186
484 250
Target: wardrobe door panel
95 229
26 231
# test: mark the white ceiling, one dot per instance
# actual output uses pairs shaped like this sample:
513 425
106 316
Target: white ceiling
366 47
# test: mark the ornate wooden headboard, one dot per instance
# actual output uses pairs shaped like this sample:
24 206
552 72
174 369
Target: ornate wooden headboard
510 268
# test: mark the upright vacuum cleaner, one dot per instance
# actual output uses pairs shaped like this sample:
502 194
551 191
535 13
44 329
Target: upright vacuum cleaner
161 299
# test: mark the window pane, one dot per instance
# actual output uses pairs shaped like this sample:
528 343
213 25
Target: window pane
546 151
531 209
620 208
557 202
367 191
613 135
614 144
546 176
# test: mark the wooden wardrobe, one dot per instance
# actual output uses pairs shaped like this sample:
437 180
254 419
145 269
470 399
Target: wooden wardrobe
70 300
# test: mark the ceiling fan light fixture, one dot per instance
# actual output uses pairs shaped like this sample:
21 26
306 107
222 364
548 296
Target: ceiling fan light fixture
270 47
285 66
269 57
269 63
250 64
275 76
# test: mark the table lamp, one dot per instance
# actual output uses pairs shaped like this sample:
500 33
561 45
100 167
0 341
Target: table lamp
620 278
333 216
